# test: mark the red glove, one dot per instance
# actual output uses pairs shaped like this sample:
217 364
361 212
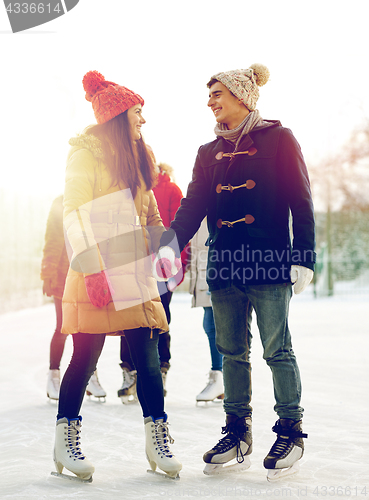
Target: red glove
98 289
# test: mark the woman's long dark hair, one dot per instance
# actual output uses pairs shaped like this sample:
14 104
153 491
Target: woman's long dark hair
124 161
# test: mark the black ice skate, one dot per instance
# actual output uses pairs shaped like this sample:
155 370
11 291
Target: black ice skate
237 444
282 459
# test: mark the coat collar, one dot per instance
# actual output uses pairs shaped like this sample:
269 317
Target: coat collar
90 142
215 150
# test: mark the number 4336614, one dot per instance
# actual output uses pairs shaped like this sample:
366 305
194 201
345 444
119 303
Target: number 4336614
33 8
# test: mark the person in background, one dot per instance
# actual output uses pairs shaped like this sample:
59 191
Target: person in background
54 269
201 298
168 196
113 226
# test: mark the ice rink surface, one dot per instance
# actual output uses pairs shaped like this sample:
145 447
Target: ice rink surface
330 339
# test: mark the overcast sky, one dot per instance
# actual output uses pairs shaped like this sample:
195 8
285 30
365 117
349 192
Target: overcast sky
166 51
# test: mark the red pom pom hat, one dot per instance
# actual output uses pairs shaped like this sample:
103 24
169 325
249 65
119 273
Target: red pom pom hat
108 99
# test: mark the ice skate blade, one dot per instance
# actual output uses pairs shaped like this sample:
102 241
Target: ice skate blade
164 474
99 399
214 469
205 402
276 474
128 400
71 478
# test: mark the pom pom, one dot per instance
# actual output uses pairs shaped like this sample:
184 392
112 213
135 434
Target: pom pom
261 73
92 83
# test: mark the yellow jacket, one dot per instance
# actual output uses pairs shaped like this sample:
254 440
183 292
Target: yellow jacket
107 230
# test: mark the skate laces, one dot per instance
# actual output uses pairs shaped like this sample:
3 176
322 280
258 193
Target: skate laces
163 437
233 438
74 439
281 447
209 384
211 379
285 439
95 382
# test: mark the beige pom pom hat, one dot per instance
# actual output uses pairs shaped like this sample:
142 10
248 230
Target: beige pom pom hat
245 83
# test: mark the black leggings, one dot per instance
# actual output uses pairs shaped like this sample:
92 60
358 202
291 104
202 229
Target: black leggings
143 345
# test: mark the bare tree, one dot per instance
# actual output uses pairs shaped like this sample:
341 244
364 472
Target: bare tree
342 180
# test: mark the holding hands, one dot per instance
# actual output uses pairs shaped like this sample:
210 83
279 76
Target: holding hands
165 265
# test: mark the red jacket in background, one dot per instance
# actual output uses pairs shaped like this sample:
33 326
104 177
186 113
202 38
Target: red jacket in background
168 195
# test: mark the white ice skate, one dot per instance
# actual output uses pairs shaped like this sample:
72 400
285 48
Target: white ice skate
128 392
94 388
158 453
214 389
67 452
282 459
53 384
232 452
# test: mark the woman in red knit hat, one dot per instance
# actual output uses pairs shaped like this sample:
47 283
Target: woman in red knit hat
112 226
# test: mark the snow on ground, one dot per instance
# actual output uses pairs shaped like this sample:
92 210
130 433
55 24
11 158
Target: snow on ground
331 340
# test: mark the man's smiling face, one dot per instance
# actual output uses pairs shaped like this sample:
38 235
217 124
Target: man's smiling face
227 108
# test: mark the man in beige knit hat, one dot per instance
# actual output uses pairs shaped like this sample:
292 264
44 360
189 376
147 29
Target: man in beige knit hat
247 182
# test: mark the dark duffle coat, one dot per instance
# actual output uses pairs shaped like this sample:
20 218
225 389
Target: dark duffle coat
248 198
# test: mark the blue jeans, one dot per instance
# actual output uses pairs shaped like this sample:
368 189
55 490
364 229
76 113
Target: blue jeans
233 308
209 327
